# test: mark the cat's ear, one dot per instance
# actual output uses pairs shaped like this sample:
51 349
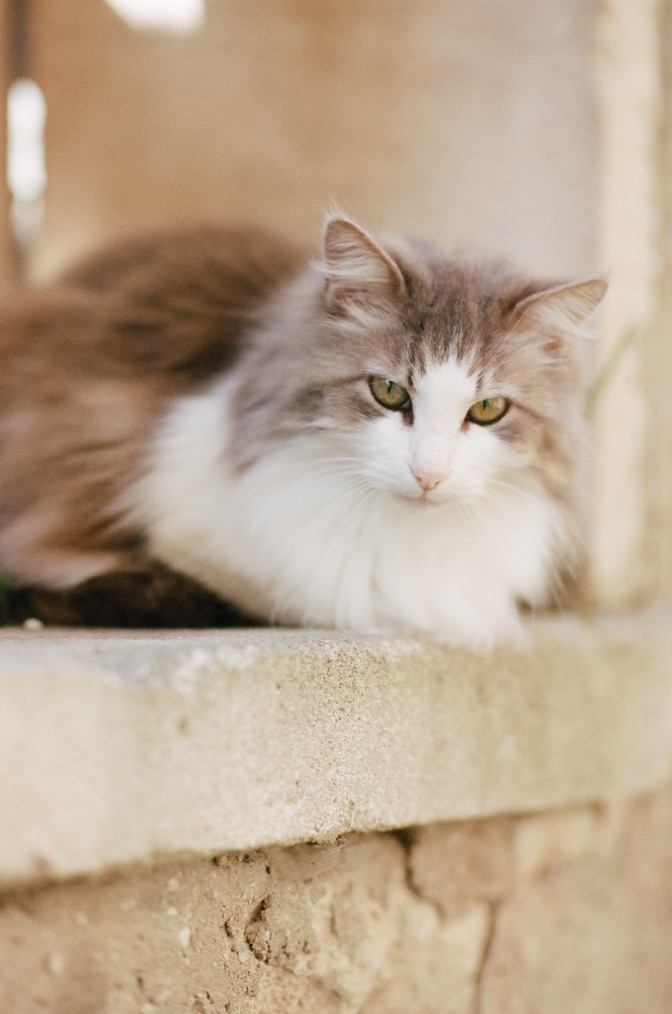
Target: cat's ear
356 268
563 307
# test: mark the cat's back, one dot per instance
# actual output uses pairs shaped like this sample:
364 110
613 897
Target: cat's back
90 362
171 304
232 265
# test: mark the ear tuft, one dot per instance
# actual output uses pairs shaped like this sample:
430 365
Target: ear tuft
356 268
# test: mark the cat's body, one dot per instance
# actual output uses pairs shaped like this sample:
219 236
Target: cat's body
381 437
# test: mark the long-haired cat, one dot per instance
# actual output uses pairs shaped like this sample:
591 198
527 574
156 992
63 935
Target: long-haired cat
213 424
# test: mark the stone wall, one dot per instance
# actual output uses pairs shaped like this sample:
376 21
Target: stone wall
540 914
195 824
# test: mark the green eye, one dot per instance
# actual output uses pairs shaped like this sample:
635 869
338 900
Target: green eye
388 394
490 410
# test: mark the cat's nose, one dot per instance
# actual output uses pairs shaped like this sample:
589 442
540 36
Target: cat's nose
428 479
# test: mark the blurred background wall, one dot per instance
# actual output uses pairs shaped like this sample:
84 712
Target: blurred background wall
473 123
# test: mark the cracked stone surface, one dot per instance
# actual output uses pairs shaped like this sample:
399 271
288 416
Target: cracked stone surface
311 928
536 914
590 933
152 790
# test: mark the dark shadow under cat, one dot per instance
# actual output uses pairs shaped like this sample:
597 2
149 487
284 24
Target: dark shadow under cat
151 597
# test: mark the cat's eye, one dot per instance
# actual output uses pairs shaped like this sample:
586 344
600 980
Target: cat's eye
389 394
489 410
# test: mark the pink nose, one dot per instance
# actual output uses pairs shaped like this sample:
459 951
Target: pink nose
427 479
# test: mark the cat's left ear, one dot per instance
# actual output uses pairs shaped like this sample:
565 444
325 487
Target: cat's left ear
562 307
356 268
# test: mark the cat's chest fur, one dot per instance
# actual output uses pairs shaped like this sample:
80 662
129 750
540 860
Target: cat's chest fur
295 537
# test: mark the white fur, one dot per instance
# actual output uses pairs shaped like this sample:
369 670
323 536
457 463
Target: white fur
332 529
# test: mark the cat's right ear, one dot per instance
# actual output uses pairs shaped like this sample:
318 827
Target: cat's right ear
357 270
567 307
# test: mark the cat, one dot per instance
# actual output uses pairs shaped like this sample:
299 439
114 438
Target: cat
213 425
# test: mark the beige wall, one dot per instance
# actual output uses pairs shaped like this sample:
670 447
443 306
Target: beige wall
6 259
658 362
473 123
632 534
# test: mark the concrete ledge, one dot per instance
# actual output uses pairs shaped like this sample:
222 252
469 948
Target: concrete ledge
117 748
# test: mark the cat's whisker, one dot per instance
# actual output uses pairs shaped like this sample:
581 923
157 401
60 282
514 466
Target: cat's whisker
477 509
486 507
351 488
346 479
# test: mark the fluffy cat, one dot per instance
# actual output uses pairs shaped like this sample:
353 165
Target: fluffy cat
211 425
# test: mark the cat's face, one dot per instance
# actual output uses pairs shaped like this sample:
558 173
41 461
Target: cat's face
452 377
439 434
442 378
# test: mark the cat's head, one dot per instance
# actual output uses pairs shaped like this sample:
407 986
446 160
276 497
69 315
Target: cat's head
463 372
447 375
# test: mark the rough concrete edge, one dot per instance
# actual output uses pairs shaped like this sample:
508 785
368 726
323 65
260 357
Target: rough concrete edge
340 704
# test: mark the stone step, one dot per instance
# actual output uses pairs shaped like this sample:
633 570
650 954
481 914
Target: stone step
120 747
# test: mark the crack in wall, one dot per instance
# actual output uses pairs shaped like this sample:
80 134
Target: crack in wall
491 905
407 838
493 912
